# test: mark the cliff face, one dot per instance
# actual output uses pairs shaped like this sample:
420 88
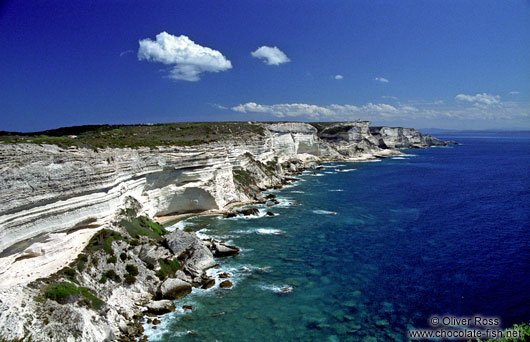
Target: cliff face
47 191
53 200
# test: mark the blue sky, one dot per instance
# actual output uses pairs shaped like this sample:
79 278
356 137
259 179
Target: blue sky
447 64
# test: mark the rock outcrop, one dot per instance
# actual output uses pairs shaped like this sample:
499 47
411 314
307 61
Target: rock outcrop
158 307
174 289
61 206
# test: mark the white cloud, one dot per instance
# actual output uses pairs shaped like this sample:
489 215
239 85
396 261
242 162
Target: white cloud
285 110
515 92
479 99
270 55
218 106
389 97
339 77
381 79
331 112
510 113
123 53
187 59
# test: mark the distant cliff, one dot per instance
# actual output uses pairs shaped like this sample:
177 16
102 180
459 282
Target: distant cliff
55 198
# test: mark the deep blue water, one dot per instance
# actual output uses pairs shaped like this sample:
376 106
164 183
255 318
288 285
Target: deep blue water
443 232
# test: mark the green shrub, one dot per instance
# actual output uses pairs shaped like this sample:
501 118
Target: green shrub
112 259
69 273
65 292
155 227
243 177
167 268
129 279
143 226
161 274
150 266
111 274
103 240
95 302
131 269
103 279
61 292
82 261
123 256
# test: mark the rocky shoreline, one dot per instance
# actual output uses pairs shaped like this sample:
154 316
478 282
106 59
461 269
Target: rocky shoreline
83 258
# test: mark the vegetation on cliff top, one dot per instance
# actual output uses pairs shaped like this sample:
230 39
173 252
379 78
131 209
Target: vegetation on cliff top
142 226
150 135
65 292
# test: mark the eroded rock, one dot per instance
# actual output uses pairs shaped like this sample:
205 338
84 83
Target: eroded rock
174 289
208 284
222 250
226 284
160 307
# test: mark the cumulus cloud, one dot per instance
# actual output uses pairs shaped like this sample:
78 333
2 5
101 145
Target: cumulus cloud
383 113
270 55
285 110
479 99
186 58
330 112
381 79
339 77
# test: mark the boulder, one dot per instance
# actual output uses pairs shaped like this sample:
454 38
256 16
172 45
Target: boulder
222 250
226 284
180 241
244 212
224 275
174 289
269 213
160 307
199 260
183 276
208 283
193 250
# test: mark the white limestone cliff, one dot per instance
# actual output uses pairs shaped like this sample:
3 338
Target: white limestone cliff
53 200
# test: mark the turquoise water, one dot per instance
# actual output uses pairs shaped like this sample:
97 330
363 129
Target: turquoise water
369 253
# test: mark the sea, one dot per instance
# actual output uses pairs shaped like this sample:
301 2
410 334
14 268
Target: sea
367 251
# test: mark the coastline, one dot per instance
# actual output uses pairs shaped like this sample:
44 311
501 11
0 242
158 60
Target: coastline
286 180
167 220
226 181
245 231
